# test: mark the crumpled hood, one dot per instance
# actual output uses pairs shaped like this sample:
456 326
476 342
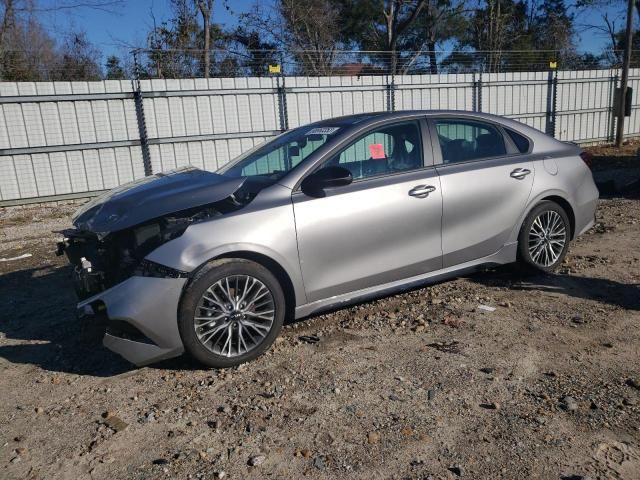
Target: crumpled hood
154 196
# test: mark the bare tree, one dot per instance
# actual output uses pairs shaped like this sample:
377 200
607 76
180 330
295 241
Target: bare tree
399 15
206 10
27 51
308 29
439 20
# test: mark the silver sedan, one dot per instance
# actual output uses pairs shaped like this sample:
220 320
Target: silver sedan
321 216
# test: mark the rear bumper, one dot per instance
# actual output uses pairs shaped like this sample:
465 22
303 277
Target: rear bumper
148 308
585 209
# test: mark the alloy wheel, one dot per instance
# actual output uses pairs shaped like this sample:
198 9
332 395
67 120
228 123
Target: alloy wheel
547 238
234 315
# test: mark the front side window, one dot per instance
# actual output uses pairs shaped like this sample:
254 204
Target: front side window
464 140
279 156
388 149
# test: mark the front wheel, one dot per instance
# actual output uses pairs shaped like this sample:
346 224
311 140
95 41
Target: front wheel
544 237
231 312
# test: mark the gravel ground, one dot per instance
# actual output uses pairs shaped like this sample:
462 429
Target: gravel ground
424 384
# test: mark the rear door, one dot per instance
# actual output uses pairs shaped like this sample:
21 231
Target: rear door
485 183
383 227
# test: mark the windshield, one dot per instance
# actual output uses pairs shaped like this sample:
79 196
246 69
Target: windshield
279 156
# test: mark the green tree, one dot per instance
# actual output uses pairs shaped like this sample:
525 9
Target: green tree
114 70
78 60
438 22
495 33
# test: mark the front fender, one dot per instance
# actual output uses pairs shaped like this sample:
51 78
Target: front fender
269 232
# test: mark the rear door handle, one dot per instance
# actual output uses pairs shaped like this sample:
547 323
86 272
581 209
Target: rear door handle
520 173
422 191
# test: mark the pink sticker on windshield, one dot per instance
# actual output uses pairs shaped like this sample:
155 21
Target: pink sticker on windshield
377 151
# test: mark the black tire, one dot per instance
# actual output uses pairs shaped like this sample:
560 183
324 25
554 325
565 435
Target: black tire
524 237
205 278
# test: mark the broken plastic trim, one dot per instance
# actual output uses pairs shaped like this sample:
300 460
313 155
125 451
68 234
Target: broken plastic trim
147 268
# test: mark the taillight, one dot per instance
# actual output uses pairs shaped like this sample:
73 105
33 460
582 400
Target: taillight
587 158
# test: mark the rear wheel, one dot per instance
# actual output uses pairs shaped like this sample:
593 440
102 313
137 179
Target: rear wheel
231 312
544 237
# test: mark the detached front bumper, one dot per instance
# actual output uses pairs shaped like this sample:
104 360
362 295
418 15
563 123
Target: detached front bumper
142 323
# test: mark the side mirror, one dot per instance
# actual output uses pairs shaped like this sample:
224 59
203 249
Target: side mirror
294 151
326 177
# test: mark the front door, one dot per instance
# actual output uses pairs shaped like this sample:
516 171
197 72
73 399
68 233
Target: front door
385 226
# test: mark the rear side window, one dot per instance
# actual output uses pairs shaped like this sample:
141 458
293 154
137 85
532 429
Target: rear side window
520 141
464 140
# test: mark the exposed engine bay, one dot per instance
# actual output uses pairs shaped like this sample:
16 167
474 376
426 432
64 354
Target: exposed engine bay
101 259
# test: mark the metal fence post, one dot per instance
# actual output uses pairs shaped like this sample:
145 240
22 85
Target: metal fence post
476 97
391 93
142 124
613 86
282 98
282 103
552 102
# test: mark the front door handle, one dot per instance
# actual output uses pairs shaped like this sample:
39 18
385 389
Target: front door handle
422 191
520 173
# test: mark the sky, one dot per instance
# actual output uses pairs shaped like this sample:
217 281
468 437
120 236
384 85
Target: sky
113 32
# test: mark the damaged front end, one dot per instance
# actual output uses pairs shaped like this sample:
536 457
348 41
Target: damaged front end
101 261
112 236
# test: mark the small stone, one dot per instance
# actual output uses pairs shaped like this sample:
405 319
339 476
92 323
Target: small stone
21 450
221 474
487 370
39 410
457 470
431 394
311 339
116 423
318 462
490 405
305 452
407 432
373 437
257 460
160 461
569 404
633 383
19 438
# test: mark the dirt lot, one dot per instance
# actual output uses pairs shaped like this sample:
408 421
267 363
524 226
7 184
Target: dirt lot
419 385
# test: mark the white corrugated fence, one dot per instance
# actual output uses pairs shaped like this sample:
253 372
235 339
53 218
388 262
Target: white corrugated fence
70 139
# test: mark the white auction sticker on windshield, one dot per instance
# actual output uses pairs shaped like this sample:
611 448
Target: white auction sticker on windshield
323 131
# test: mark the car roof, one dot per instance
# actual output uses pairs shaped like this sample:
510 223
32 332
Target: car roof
363 119
354 119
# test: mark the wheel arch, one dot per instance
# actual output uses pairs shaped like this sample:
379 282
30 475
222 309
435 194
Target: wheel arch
566 206
267 262
553 196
